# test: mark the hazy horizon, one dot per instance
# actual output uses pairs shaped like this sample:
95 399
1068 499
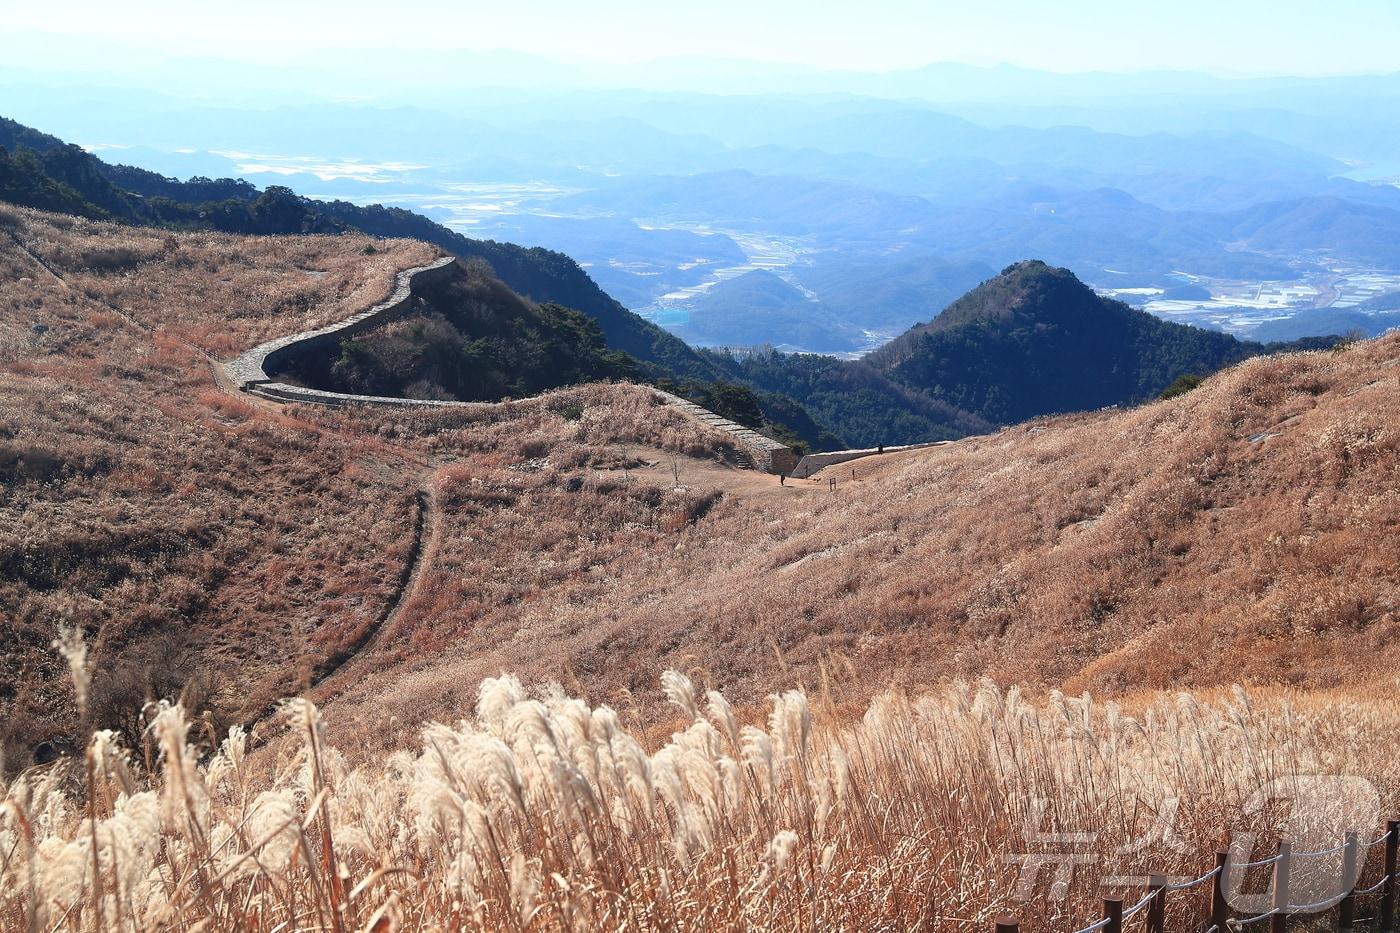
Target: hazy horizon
1251 39
701 164
21 46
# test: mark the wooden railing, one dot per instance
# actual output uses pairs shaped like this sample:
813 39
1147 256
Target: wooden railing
1355 857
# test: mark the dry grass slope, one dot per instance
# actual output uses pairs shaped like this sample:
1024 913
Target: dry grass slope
589 540
136 500
1247 531
184 530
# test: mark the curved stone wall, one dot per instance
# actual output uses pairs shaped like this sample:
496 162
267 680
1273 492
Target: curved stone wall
249 372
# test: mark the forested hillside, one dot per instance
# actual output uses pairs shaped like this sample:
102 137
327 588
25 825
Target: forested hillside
858 402
1036 340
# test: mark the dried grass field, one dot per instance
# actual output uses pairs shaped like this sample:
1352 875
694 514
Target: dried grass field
537 811
744 705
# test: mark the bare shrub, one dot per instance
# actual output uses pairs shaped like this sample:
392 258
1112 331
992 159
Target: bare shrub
162 667
105 260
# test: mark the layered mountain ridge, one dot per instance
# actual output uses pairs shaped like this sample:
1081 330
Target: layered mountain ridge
1031 341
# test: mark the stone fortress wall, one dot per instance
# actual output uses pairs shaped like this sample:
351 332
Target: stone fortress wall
250 371
811 463
769 455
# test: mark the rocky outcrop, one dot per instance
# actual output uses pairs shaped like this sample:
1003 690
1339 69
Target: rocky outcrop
251 371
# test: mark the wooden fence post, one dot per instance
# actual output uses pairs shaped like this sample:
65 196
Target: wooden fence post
1346 910
1157 907
1007 925
1278 923
1219 908
1113 913
1392 839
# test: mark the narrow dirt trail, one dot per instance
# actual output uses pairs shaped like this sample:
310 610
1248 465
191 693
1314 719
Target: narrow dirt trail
331 669
408 575
427 529
62 282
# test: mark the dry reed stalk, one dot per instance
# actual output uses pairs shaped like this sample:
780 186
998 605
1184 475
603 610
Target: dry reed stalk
541 812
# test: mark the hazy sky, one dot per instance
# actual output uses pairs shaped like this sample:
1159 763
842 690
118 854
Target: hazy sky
1222 36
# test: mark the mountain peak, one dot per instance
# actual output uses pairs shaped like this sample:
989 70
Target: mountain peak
1032 289
1035 333
1026 266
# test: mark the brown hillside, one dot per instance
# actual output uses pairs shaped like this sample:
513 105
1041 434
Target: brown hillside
1247 531
189 533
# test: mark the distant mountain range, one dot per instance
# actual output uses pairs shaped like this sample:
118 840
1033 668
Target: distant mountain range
633 265
836 303
759 307
658 195
1030 341
1361 232
1096 229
